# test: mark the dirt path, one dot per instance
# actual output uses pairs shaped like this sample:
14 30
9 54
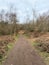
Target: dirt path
23 54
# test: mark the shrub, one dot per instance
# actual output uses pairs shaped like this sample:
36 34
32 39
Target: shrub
42 45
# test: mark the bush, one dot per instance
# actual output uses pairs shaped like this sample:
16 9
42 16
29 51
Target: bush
4 41
42 45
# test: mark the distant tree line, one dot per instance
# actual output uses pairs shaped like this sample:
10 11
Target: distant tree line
40 24
8 22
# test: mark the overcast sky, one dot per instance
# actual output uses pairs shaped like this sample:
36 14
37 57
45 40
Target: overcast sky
25 7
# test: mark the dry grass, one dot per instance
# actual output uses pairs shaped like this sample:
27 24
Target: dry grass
5 45
41 45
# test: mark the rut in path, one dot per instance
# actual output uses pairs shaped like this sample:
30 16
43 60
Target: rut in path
23 54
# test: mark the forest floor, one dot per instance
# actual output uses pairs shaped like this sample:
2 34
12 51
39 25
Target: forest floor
23 53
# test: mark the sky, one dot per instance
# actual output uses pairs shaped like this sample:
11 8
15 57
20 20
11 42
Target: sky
25 7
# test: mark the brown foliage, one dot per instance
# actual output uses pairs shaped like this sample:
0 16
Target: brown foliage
4 41
43 43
